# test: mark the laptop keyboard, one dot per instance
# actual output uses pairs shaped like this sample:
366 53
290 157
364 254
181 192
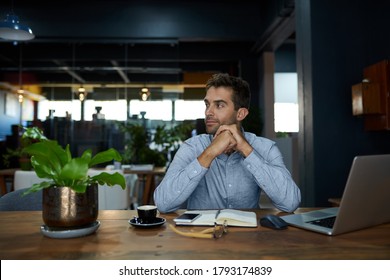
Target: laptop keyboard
326 222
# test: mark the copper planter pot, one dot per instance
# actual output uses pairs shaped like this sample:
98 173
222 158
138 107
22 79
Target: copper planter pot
64 208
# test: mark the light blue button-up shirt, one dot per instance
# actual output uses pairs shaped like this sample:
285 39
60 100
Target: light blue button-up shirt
230 182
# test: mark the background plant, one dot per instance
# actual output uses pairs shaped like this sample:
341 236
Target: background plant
165 140
11 156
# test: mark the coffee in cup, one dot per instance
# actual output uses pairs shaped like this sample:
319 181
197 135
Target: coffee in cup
147 213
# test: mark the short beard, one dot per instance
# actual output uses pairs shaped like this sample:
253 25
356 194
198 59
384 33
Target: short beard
211 132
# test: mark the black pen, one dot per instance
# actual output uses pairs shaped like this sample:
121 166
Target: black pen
216 214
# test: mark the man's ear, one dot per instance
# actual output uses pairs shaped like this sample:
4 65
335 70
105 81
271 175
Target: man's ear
242 113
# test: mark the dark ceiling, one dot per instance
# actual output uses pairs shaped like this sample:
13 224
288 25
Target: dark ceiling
106 43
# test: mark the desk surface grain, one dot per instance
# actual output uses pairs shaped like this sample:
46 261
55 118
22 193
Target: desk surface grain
20 238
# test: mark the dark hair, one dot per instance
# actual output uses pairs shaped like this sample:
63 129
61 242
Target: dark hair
241 92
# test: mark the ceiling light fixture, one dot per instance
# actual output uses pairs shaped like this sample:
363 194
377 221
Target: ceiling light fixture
82 93
144 93
20 91
20 95
11 29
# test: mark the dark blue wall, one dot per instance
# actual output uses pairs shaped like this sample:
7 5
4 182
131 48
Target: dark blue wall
346 37
285 59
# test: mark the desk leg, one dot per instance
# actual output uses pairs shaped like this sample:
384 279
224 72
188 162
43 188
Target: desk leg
148 190
3 186
152 188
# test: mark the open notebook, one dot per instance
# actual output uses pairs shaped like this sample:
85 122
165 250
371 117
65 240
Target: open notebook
365 201
232 217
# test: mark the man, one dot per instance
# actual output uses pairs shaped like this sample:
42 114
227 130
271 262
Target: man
227 167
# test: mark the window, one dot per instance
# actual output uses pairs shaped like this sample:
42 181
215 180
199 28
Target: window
60 109
286 117
189 110
117 109
155 110
112 110
286 109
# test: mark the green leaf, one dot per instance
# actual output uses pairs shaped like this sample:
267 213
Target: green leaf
80 187
74 170
43 167
50 151
87 155
34 133
37 187
68 154
106 156
110 179
60 153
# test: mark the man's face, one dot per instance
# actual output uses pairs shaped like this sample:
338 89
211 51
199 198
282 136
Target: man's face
219 108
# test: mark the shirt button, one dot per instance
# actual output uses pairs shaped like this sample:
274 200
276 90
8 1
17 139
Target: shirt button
230 185
248 166
195 172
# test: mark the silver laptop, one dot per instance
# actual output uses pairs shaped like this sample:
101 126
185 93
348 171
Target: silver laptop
365 201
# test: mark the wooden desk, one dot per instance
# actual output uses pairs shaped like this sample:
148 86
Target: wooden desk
20 238
4 175
150 181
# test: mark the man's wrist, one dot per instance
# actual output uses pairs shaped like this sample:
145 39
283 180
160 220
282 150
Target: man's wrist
206 158
246 150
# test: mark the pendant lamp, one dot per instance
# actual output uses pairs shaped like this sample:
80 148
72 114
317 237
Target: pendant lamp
144 93
11 29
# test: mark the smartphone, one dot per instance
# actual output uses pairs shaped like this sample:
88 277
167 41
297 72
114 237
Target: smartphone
186 218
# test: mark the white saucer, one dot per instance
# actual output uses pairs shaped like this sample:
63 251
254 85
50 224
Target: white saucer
69 233
158 222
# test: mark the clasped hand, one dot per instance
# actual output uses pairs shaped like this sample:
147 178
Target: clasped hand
228 139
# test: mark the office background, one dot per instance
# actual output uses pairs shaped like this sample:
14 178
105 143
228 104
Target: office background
328 44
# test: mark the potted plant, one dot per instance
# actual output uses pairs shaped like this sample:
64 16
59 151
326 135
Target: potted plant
70 195
17 157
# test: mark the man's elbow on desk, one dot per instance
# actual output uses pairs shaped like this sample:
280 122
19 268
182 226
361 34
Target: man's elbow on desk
289 206
287 209
164 209
162 206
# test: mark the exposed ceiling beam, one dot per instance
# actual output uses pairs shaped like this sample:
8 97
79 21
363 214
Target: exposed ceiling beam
120 71
277 33
68 70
